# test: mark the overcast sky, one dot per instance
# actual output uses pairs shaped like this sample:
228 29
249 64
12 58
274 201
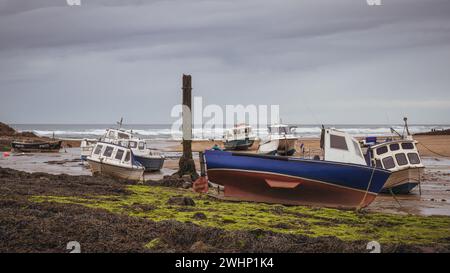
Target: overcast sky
322 61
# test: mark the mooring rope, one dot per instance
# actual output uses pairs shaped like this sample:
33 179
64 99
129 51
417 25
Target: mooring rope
367 190
439 154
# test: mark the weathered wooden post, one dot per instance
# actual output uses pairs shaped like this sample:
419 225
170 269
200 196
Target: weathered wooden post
187 164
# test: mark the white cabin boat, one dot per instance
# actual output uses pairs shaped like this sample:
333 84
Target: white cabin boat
151 160
281 140
240 137
401 157
115 161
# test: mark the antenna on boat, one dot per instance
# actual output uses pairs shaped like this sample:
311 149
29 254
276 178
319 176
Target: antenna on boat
120 122
405 119
322 137
395 132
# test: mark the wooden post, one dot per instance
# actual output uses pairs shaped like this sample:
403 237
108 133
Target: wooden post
187 164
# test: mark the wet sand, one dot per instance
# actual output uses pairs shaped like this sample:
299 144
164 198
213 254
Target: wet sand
435 189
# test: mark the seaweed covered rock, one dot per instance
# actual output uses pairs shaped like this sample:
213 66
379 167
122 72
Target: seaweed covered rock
181 201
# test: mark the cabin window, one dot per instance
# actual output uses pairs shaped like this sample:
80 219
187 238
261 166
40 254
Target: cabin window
111 134
108 151
141 145
401 159
382 150
388 162
127 156
123 143
123 136
413 158
394 147
338 142
408 146
378 163
357 150
133 144
119 154
98 149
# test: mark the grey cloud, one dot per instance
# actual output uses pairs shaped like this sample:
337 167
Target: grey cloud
299 54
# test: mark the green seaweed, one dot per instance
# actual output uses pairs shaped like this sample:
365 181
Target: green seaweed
309 221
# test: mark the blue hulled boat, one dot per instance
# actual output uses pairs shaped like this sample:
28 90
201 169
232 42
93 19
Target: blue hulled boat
288 180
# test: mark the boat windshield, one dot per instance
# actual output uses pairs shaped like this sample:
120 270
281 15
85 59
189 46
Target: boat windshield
132 144
123 136
141 145
98 149
119 154
127 156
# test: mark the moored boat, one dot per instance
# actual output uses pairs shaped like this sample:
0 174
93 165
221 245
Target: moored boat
342 180
36 147
401 157
114 160
151 160
282 134
239 138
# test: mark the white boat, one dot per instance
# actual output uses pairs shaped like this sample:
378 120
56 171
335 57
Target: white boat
240 137
151 160
401 157
115 161
281 134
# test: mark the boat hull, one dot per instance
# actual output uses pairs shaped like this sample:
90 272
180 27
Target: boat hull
150 163
98 168
294 181
37 147
403 181
239 145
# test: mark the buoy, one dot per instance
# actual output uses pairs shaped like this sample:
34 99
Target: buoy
201 185
6 154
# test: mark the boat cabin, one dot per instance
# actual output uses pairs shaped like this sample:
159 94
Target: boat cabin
125 139
134 144
280 129
113 154
115 134
239 132
341 147
395 155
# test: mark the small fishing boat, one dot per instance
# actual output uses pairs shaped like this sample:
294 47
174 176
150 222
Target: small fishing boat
282 134
401 157
341 179
239 138
116 161
151 160
36 147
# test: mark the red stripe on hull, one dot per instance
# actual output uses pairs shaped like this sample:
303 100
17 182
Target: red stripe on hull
260 187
